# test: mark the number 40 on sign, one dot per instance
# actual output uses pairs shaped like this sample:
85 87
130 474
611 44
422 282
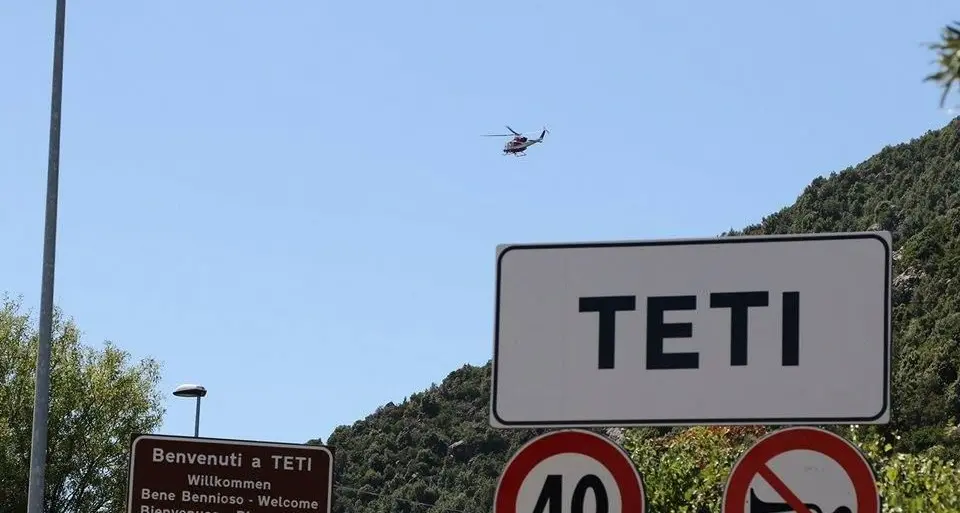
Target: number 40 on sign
571 471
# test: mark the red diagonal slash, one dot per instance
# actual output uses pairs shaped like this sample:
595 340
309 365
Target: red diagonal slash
782 490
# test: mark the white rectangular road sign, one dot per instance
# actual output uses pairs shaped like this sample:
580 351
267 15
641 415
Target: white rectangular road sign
732 330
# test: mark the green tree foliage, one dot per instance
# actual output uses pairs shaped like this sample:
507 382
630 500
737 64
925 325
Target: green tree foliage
436 447
922 482
686 472
948 60
99 398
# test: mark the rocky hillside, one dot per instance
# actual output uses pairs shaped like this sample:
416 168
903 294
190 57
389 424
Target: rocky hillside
437 449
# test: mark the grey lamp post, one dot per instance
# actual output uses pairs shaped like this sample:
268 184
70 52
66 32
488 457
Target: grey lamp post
41 404
192 391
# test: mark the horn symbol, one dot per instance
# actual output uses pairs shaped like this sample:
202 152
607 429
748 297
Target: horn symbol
760 506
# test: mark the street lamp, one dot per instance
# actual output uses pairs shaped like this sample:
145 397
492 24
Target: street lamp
41 401
192 391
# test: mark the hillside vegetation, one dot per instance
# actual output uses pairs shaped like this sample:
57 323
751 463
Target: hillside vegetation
436 448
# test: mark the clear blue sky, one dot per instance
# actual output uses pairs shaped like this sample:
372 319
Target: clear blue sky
290 203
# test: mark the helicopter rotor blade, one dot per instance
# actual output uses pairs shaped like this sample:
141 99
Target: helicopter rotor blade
497 135
512 130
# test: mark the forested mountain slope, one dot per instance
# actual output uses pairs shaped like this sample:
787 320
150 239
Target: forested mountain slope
912 190
436 447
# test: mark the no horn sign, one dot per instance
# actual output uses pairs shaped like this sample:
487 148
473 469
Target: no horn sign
570 471
804 470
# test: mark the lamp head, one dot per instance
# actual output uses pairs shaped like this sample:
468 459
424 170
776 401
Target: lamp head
190 391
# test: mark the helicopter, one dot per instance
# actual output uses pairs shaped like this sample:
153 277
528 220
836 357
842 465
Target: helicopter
519 144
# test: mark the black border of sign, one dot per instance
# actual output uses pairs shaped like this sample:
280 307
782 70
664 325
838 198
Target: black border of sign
888 342
331 452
